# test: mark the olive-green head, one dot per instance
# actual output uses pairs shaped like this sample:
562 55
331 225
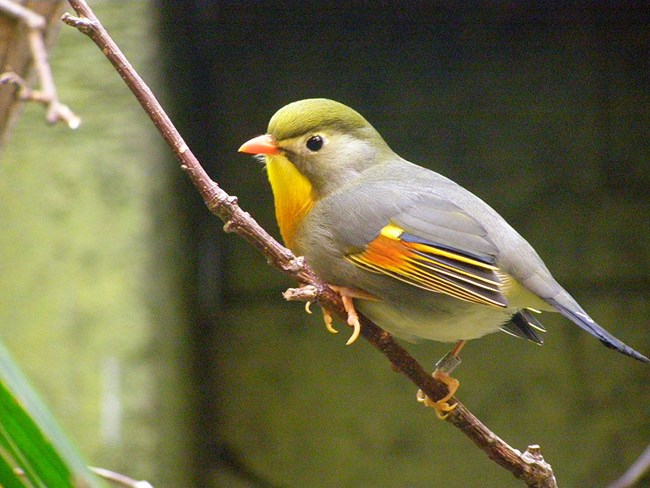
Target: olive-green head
328 142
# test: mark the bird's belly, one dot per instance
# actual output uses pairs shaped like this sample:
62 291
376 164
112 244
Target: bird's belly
442 319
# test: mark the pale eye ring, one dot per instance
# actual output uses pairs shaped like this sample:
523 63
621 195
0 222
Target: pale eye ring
314 143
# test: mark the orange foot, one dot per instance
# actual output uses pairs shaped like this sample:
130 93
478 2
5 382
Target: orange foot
347 294
444 367
441 407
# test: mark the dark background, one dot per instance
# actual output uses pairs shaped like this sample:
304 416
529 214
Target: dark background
543 110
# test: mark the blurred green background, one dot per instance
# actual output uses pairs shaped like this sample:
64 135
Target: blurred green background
163 345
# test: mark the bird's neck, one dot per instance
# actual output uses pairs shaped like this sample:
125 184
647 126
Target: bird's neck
293 194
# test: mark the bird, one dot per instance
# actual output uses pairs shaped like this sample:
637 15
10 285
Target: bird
415 252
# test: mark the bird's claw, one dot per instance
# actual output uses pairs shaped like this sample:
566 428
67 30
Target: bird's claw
353 317
327 318
353 321
441 407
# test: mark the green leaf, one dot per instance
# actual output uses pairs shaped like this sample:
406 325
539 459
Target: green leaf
31 440
8 477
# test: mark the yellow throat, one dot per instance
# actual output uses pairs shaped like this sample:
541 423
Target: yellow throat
292 193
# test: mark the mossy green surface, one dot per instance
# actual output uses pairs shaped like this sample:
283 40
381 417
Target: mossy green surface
88 273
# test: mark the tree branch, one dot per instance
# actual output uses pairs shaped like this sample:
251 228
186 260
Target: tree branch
47 95
529 466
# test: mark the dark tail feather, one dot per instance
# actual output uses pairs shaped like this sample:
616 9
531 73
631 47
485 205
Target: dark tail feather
524 325
585 322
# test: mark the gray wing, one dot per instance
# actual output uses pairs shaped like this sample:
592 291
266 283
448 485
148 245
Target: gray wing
420 238
434 211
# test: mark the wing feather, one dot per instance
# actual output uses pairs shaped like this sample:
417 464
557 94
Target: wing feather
431 266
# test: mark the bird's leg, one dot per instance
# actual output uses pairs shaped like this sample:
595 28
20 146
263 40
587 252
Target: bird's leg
444 368
353 318
347 295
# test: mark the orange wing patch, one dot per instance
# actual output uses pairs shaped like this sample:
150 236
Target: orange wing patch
432 266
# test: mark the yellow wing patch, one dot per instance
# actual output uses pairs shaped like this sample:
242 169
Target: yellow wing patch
432 266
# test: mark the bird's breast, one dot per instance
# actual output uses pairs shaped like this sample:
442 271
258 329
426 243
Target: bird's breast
292 193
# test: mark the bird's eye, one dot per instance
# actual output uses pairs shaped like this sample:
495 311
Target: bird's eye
314 143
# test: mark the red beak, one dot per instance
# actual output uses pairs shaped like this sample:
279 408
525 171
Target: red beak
260 145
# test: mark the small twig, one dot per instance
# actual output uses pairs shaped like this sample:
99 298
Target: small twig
17 11
633 475
306 293
530 466
47 95
120 479
112 476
